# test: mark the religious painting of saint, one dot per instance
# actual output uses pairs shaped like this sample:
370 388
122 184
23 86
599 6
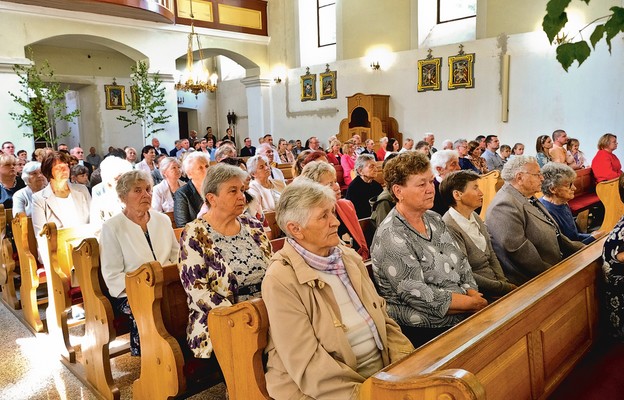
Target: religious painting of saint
115 97
328 84
461 71
429 74
308 86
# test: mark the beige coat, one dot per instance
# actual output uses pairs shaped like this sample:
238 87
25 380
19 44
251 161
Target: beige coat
309 354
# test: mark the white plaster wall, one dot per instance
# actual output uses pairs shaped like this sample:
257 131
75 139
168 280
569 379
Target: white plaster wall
543 97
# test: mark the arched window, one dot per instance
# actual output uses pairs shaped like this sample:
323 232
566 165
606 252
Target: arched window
326 22
453 10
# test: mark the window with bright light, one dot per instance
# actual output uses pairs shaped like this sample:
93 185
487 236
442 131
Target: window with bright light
326 22
453 10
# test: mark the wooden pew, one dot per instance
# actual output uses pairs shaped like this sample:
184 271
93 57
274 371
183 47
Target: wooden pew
32 273
340 178
519 347
58 261
488 185
172 218
101 325
159 305
379 177
585 197
286 169
274 230
7 263
609 194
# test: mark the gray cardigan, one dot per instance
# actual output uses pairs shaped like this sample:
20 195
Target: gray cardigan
486 269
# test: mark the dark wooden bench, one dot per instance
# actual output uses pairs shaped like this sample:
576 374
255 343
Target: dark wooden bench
159 305
32 273
489 185
62 293
521 346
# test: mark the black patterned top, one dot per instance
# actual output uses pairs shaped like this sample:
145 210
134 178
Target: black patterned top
416 274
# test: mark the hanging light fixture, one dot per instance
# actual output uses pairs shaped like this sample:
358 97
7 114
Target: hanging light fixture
192 80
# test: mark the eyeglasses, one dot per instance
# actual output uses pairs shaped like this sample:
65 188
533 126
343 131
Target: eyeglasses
532 173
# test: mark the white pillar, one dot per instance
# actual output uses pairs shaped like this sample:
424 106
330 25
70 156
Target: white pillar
258 106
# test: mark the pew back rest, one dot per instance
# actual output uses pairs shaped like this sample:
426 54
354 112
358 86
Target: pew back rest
61 242
148 289
488 185
25 241
271 222
239 335
609 194
286 169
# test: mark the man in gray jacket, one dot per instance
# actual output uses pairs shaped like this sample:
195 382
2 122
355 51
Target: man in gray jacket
525 237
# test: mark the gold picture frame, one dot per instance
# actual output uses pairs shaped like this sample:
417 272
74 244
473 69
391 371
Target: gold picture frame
429 74
327 82
461 71
308 86
115 97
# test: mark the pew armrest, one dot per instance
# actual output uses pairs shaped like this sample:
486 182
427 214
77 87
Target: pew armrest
239 335
455 384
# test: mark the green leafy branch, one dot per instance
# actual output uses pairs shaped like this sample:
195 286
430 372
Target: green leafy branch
569 50
146 102
42 99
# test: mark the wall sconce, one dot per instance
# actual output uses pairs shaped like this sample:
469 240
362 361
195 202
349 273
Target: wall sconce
375 66
180 100
277 79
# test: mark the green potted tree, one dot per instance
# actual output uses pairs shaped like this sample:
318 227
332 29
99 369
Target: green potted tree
146 102
42 98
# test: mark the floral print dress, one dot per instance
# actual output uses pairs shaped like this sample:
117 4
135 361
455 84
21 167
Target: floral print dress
614 279
218 271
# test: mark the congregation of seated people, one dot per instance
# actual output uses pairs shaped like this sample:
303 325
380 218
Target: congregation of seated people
332 322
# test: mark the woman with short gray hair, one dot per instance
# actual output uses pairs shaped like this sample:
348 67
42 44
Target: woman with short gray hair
558 188
264 188
224 254
162 197
133 237
35 181
328 324
364 186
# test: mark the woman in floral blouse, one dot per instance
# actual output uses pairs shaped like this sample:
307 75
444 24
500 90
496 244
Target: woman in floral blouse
613 255
223 254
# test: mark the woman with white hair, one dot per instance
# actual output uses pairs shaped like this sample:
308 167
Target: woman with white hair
105 202
264 188
35 181
186 200
162 196
328 327
224 254
133 237
364 186
350 230
558 189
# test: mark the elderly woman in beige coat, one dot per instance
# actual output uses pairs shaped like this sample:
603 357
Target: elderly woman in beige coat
329 329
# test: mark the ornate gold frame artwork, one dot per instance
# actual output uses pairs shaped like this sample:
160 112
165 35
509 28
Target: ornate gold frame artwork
461 70
115 97
327 81
308 86
429 73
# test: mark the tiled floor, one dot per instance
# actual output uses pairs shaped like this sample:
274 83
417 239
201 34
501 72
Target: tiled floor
29 370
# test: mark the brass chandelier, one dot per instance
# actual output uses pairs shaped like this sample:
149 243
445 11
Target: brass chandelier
192 80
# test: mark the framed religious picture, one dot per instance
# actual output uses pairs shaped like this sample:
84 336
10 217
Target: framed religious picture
308 86
115 97
461 70
429 74
327 81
